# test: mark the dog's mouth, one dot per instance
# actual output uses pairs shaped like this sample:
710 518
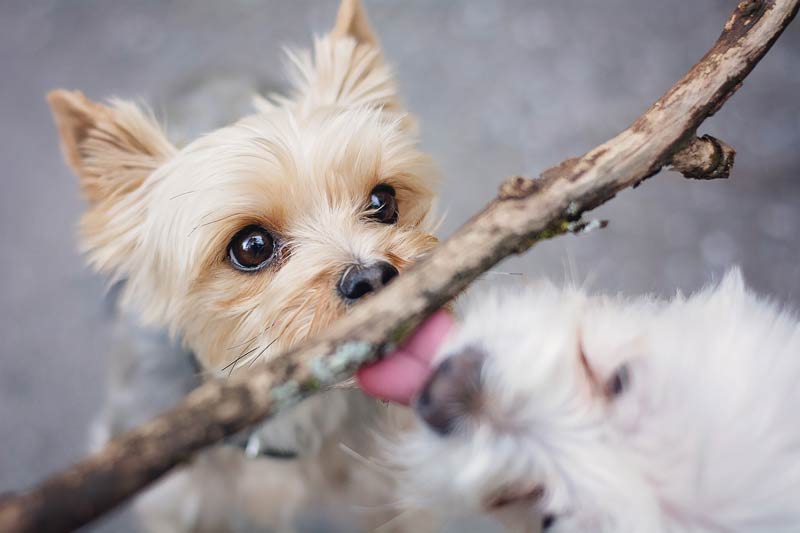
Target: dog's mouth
518 501
400 376
528 494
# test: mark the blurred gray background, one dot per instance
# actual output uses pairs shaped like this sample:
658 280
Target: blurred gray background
501 87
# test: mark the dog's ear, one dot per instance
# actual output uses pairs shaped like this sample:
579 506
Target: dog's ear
351 21
112 148
345 69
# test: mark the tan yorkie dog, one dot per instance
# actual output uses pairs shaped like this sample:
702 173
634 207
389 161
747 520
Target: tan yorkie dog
249 240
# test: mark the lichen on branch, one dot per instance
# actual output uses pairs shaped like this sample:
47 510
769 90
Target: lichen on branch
525 212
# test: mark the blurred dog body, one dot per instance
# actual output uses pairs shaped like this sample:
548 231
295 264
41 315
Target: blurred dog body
242 244
556 409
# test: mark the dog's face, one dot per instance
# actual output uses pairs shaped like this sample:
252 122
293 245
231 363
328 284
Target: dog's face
255 236
586 413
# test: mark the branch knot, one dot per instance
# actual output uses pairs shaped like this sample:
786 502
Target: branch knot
517 187
704 158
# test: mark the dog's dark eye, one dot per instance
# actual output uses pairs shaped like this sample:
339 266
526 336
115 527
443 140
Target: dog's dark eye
383 205
548 521
251 248
619 382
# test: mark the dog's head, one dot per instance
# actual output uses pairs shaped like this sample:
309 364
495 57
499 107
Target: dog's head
256 235
595 413
510 414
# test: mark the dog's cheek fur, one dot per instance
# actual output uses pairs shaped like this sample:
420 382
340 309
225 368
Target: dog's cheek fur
234 319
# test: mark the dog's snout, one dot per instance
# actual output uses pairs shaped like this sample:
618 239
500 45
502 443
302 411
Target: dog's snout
452 391
359 280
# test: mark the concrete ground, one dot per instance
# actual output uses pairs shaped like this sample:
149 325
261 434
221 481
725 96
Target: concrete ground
501 88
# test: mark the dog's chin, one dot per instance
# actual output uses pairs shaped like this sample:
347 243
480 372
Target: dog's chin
303 428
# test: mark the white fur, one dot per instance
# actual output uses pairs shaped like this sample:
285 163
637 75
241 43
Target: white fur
704 438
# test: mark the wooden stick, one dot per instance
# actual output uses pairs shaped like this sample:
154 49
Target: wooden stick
525 212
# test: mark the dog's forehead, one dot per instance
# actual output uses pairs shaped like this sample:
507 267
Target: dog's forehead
347 147
615 330
274 164
518 319
528 333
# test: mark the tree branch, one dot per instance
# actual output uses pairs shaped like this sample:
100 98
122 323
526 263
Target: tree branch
525 212
704 158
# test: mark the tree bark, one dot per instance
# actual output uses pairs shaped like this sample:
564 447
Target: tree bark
524 212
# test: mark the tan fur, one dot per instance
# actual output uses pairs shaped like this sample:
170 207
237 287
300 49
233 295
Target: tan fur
303 167
352 21
112 149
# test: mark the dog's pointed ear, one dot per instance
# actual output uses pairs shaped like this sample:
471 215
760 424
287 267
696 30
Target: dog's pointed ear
351 21
345 69
112 149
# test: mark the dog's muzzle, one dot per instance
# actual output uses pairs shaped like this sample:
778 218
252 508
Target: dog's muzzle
452 391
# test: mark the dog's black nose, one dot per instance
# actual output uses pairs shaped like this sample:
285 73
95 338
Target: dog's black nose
452 391
359 280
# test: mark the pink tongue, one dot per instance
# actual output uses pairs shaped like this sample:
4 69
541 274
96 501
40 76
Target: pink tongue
401 374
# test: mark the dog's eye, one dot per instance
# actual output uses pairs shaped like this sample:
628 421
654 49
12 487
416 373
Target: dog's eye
383 205
251 248
618 382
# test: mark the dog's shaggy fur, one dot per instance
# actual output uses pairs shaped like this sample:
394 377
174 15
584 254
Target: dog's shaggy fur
594 413
302 168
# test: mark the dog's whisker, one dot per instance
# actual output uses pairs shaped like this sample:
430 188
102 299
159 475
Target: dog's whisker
251 339
394 519
501 273
267 347
212 222
290 320
298 311
249 343
254 359
244 343
182 194
366 461
377 507
436 226
208 214
233 363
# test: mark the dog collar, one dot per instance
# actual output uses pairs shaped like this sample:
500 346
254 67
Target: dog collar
253 447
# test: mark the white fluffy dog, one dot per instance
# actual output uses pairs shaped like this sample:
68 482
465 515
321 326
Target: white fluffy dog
592 413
